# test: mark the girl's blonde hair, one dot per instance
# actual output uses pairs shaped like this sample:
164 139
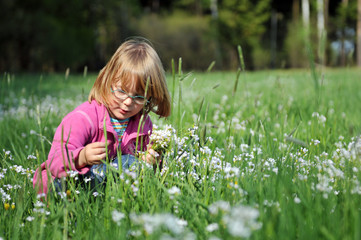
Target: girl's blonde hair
135 65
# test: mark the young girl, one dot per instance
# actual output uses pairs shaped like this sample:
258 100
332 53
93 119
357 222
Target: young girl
115 118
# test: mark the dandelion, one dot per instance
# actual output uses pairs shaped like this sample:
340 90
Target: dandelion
6 206
13 206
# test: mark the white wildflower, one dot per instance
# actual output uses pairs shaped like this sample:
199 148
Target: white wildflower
174 191
117 216
30 219
220 206
241 221
212 227
297 200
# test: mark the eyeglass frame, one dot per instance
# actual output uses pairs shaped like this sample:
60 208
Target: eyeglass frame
129 96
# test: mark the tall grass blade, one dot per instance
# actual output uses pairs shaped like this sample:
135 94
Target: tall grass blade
311 60
296 141
179 118
236 82
241 59
173 78
210 67
85 72
199 111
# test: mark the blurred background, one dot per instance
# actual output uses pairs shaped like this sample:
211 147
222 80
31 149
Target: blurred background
53 35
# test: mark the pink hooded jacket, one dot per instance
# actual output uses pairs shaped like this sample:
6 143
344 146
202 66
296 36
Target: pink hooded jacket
84 125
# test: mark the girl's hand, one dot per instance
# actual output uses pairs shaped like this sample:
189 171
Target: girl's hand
92 154
151 156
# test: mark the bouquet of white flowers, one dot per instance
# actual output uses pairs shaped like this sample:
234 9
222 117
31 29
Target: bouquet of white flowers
161 138
160 141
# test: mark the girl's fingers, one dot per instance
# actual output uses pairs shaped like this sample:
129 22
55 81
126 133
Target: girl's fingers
100 144
154 153
96 159
95 152
151 156
98 151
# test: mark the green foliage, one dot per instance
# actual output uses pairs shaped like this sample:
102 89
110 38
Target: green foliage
196 6
295 41
180 35
52 35
242 22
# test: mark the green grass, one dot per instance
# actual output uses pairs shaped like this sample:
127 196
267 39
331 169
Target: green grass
275 159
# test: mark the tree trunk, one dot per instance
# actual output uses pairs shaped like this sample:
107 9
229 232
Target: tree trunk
320 19
343 38
358 33
306 14
295 10
273 39
325 12
321 31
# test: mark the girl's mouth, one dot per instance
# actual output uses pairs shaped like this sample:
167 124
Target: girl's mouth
122 111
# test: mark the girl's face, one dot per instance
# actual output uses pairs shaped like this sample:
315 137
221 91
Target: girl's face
124 107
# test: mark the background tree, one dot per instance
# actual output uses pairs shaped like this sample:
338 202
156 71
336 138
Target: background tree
359 33
242 22
50 35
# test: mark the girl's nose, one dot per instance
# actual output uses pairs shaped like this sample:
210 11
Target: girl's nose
128 101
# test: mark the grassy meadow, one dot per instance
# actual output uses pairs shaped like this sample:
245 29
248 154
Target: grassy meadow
255 155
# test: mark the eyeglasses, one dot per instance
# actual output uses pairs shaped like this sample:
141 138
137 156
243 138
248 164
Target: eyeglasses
122 95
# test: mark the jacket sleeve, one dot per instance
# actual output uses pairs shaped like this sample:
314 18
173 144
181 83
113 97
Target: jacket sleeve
72 135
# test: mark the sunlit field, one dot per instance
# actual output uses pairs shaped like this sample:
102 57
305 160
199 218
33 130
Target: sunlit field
255 155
